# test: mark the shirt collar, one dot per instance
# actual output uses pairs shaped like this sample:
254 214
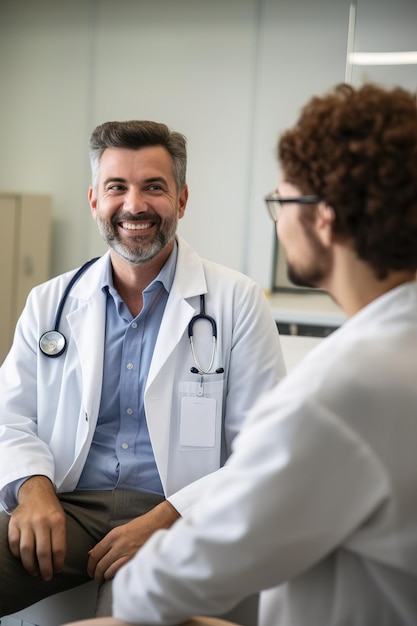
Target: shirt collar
165 276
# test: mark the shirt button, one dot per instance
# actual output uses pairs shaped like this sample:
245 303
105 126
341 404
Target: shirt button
129 366
134 325
129 411
125 446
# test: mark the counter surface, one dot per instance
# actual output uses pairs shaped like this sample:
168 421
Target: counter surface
315 309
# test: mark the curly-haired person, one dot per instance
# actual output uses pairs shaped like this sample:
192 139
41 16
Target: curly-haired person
320 497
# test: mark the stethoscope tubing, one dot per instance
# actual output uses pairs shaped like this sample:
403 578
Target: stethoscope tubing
67 291
198 369
53 343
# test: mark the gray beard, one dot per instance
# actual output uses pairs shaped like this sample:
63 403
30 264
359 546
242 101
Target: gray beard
139 252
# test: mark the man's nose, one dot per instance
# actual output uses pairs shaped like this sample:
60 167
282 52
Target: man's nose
134 200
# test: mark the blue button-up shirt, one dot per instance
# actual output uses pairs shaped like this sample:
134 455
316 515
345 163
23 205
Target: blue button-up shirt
121 454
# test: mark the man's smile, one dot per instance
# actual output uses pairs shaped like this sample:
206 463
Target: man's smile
136 225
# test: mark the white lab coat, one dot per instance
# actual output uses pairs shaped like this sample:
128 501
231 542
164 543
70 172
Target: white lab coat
319 497
49 406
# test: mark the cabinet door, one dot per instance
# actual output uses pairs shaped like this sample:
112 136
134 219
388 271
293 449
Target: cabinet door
32 262
24 256
8 247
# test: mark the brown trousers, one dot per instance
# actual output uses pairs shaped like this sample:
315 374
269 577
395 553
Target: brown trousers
90 516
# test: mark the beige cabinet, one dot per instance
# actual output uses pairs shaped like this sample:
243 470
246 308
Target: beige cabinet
25 236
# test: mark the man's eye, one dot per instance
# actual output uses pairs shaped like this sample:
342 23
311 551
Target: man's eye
155 187
115 187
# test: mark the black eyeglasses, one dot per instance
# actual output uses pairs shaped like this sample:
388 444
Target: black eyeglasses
274 202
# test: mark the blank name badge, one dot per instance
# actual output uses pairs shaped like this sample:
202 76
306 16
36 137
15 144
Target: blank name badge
198 422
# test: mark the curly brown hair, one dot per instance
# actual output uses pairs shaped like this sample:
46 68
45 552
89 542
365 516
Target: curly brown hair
357 150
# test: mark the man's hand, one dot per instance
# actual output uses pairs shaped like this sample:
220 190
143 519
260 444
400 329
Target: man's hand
121 544
37 528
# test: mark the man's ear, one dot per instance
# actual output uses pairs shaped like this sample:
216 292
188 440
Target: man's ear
325 218
182 201
92 201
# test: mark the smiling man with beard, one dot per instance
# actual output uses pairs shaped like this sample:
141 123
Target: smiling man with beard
116 435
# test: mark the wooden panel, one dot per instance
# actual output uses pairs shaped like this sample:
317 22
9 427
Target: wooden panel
8 241
33 255
24 256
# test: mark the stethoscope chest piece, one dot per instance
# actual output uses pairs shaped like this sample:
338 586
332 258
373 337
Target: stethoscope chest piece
52 343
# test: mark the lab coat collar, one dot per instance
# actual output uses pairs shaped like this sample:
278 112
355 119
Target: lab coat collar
183 302
189 277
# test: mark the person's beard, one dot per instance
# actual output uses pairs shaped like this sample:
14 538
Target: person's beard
314 274
310 278
140 249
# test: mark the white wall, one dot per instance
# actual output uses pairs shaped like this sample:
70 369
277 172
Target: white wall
229 74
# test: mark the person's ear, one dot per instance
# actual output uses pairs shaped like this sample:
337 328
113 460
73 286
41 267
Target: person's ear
182 202
92 199
325 218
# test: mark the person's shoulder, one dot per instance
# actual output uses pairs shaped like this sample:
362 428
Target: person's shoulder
220 278
189 255
233 285
228 274
49 291
61 280
51 284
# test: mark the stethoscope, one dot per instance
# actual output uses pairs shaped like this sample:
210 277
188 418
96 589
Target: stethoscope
197 369
53 342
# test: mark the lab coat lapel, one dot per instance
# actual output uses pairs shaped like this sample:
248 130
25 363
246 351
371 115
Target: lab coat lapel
87 322
189 281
